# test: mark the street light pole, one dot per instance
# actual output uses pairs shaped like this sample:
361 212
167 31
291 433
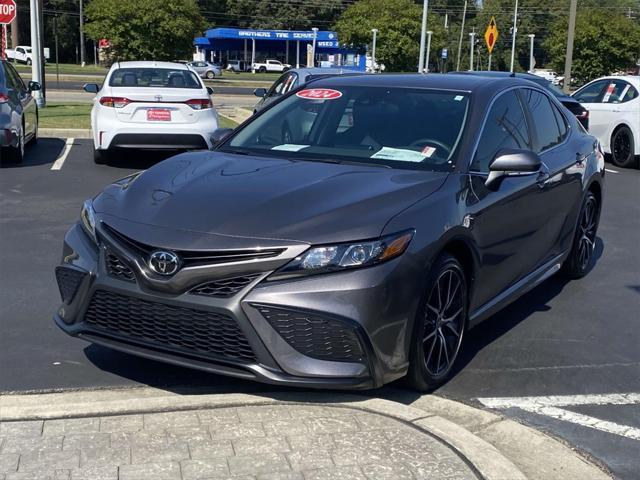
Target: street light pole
373 49
471 49
569 55
513 36
423 34
313 48
36 43
464 16
531 60
426 61
82 49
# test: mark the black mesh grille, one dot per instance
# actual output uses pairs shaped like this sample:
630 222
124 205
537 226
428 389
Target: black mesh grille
117 268
313 335
69 280
184 329
224 288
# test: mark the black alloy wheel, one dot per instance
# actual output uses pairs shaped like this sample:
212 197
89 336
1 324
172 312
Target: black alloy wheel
440 325
622 148
582 255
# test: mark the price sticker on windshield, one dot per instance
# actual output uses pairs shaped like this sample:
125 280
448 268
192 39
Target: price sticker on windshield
319 94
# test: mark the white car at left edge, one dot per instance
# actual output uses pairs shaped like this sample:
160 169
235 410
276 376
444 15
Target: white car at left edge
151 105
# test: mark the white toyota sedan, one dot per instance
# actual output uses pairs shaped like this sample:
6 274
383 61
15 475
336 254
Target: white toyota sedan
614 116
151 105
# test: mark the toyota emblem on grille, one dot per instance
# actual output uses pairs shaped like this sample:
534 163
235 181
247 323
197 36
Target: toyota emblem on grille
164 263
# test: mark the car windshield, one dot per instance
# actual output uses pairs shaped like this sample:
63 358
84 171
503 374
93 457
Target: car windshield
154 77
396 127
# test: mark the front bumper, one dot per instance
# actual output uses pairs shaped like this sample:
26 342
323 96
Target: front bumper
346 330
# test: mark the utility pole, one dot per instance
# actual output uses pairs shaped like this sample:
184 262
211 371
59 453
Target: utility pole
82 49
569 56
14 31
423 35
373 49
532 62
55 33
426 62
472 36
464 16
513 36
36 67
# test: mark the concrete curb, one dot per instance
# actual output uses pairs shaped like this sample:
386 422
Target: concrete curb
428 414
65 132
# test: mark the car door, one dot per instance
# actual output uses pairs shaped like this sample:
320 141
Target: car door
591 96
26 100
507 223
563 163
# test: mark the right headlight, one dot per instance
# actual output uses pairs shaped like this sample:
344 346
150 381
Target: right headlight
345 256
88 219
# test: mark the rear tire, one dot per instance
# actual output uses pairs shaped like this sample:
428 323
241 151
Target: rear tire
210 75
100 157
623 148
439 326
581 257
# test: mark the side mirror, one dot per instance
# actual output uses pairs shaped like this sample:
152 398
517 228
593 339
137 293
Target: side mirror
510 163
210 90
33 86
219 135
91 87
260 92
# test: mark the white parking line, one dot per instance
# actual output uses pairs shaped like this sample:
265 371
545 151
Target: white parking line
611 171
549 406
57 165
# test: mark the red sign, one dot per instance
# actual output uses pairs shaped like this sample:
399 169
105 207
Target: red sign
159 115
7 11
319 94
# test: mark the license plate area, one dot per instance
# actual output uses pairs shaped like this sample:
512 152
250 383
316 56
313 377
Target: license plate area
158 115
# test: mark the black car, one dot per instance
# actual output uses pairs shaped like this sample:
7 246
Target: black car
18 113
570 103
347 235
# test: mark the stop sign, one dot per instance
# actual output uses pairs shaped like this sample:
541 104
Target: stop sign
7 11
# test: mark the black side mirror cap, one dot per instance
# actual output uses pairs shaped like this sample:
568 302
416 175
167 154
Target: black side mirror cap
260 92
34 86
91 87
210 90
512 162
219 135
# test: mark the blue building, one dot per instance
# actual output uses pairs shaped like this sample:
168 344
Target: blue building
293 47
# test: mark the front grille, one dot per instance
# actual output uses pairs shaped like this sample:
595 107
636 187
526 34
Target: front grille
117 268
195 257
69 280
224 288
176 328
314 335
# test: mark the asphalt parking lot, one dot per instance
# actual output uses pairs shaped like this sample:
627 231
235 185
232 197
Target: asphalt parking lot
564 358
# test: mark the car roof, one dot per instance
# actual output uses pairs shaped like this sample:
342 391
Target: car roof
526 76
463 83
151 64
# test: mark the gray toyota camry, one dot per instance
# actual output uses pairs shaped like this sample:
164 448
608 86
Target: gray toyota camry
348 235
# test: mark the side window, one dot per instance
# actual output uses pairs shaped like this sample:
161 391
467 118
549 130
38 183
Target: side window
289 83
278 88
544 119
562 123
591 93
619 91
14 80
506 127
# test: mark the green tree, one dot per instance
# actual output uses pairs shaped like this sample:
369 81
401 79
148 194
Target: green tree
398 22
283 14
145 29
604 43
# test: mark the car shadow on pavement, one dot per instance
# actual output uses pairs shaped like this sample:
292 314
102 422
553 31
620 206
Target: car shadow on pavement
182 380
45 152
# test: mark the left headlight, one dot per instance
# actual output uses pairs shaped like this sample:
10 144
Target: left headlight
331 258
88 218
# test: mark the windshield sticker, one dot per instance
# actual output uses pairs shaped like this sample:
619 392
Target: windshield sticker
607 95
319 94
457 98
399 154
289 147
428 151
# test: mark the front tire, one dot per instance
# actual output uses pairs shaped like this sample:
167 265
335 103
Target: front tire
17 153
440 325
262 70
581 257
623 148
100 157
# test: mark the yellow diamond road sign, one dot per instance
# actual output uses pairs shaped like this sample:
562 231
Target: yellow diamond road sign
491 35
